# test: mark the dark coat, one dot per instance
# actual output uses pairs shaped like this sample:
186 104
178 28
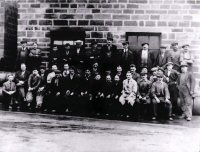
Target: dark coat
20 77
22 55
108 58
161 62
172 77
34 81
77 59
150 61
126 59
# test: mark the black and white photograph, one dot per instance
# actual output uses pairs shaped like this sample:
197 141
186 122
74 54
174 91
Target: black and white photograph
100 75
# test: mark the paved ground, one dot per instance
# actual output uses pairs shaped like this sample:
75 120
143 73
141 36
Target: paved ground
22 132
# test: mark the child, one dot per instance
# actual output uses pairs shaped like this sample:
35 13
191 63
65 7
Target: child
9 89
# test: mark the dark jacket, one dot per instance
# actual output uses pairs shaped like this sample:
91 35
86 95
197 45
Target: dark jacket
20 77
161 61
34 81
150 61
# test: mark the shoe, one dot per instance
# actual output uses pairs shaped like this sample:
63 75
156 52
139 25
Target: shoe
153 118
182 116
171 119
188 119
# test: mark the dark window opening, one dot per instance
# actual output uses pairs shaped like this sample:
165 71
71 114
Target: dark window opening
137 38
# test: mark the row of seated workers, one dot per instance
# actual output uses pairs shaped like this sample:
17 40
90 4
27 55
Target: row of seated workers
104 88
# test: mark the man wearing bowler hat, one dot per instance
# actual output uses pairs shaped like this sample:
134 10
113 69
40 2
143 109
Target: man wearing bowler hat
22 54
77 55
108 56
145 57
163 57
186 84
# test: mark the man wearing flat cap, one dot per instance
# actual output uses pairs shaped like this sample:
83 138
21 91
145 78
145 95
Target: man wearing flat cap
23 53
108 56
145 58
187 56
175 52
125 56
186 84
161 97
163 57
171 77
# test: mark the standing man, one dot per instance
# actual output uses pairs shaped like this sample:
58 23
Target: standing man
66 56
8 90
145 58
163 57
171 78
108 56
126 56
21 79
34 57
187 56
175 56
23 53
77 55
186 85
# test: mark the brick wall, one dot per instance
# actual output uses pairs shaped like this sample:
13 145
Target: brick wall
8 33
175 19
1 28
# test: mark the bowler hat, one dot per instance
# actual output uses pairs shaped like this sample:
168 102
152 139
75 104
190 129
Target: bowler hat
23 41
125 42
78 42
145 44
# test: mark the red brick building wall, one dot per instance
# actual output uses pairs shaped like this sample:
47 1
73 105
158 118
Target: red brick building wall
175 19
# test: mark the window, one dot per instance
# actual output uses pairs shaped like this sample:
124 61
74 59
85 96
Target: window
62 36
137 38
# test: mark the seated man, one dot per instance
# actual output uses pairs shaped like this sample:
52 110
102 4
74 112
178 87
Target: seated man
33 85
134 74
160 94
143 96
21 79
107 94
116 92
128 93
9 89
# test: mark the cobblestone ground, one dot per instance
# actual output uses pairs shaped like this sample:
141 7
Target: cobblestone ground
22 132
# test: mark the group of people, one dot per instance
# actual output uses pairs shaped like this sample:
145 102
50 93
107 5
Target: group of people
107 82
